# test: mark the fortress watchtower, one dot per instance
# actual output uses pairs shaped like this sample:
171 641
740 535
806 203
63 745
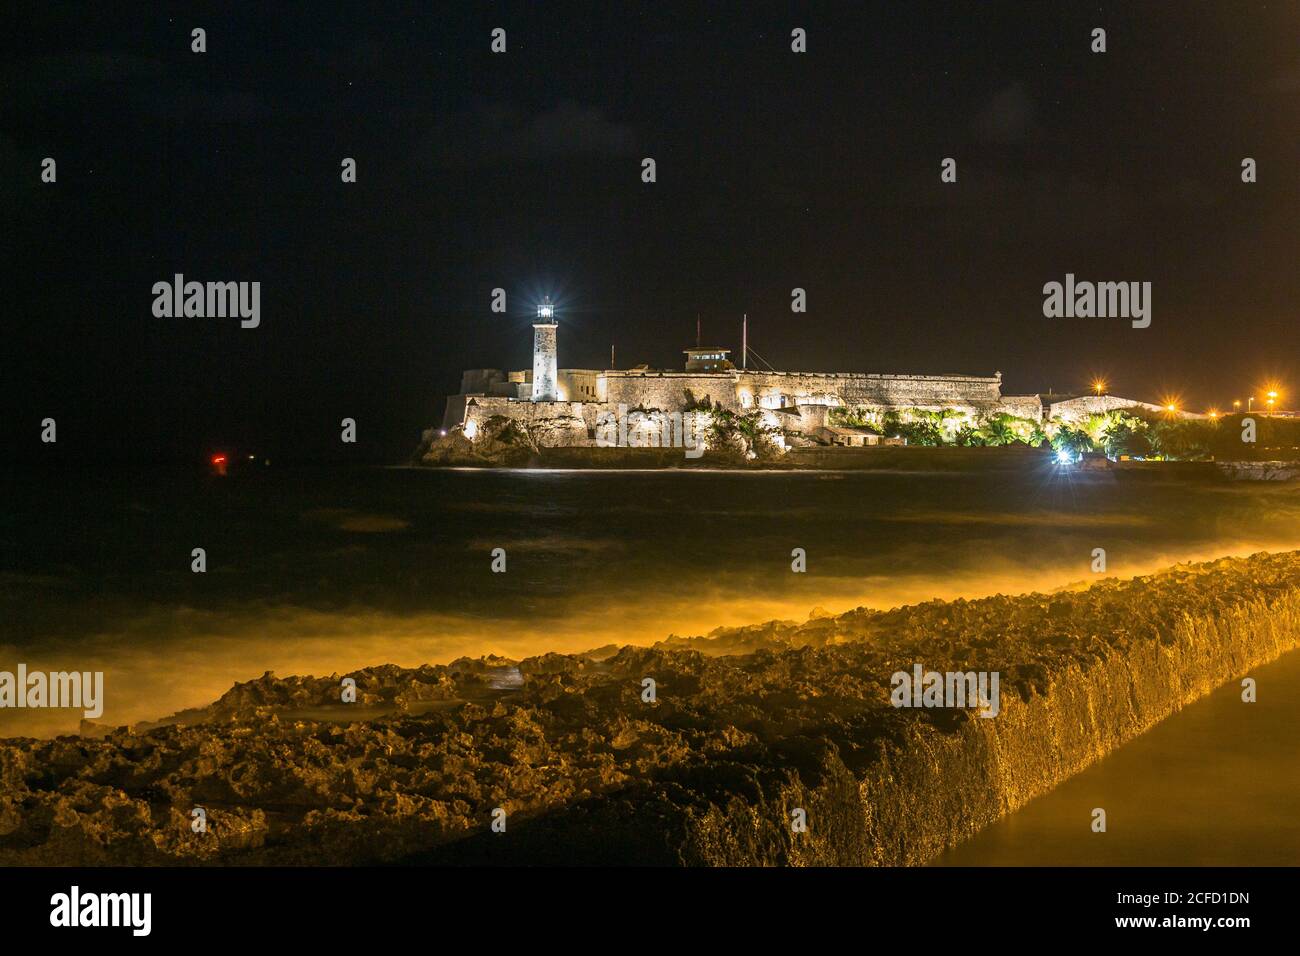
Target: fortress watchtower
700 359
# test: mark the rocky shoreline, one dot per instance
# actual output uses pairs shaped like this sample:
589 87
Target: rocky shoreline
747 725
454 451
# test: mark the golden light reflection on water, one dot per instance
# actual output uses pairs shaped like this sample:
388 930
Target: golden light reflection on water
1188 792
167 660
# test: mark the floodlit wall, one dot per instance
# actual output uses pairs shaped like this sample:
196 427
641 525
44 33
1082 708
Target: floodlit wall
586 394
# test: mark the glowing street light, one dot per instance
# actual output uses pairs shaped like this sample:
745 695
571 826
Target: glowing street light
1099 386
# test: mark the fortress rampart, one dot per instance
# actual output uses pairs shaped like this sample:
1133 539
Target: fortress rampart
742 390
793 402
566 407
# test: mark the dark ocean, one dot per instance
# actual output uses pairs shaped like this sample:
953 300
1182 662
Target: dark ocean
317 570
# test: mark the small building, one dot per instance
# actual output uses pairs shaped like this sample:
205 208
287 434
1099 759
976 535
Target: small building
710 359
848 436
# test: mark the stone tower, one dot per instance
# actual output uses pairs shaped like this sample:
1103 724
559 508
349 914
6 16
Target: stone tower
544 353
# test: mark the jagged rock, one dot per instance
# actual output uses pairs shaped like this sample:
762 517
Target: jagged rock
1260 470
499 442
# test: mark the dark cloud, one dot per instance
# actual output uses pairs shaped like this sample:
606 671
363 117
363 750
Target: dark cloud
1288 81
129 86
35 81
503 134
1006 118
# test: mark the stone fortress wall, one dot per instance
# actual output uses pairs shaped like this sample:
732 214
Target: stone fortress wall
793 402
651 396
1073 408
743 390
558 424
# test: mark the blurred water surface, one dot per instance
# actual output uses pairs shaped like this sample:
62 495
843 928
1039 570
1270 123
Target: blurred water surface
324 570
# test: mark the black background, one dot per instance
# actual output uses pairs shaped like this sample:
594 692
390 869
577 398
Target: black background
904 909
522 170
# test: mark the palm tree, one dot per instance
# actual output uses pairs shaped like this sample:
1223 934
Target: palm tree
1073 440
998 431
1095 425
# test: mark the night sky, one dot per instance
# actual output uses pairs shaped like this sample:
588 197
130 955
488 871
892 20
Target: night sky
522 170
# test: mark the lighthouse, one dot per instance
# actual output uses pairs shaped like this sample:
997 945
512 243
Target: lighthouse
544 353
